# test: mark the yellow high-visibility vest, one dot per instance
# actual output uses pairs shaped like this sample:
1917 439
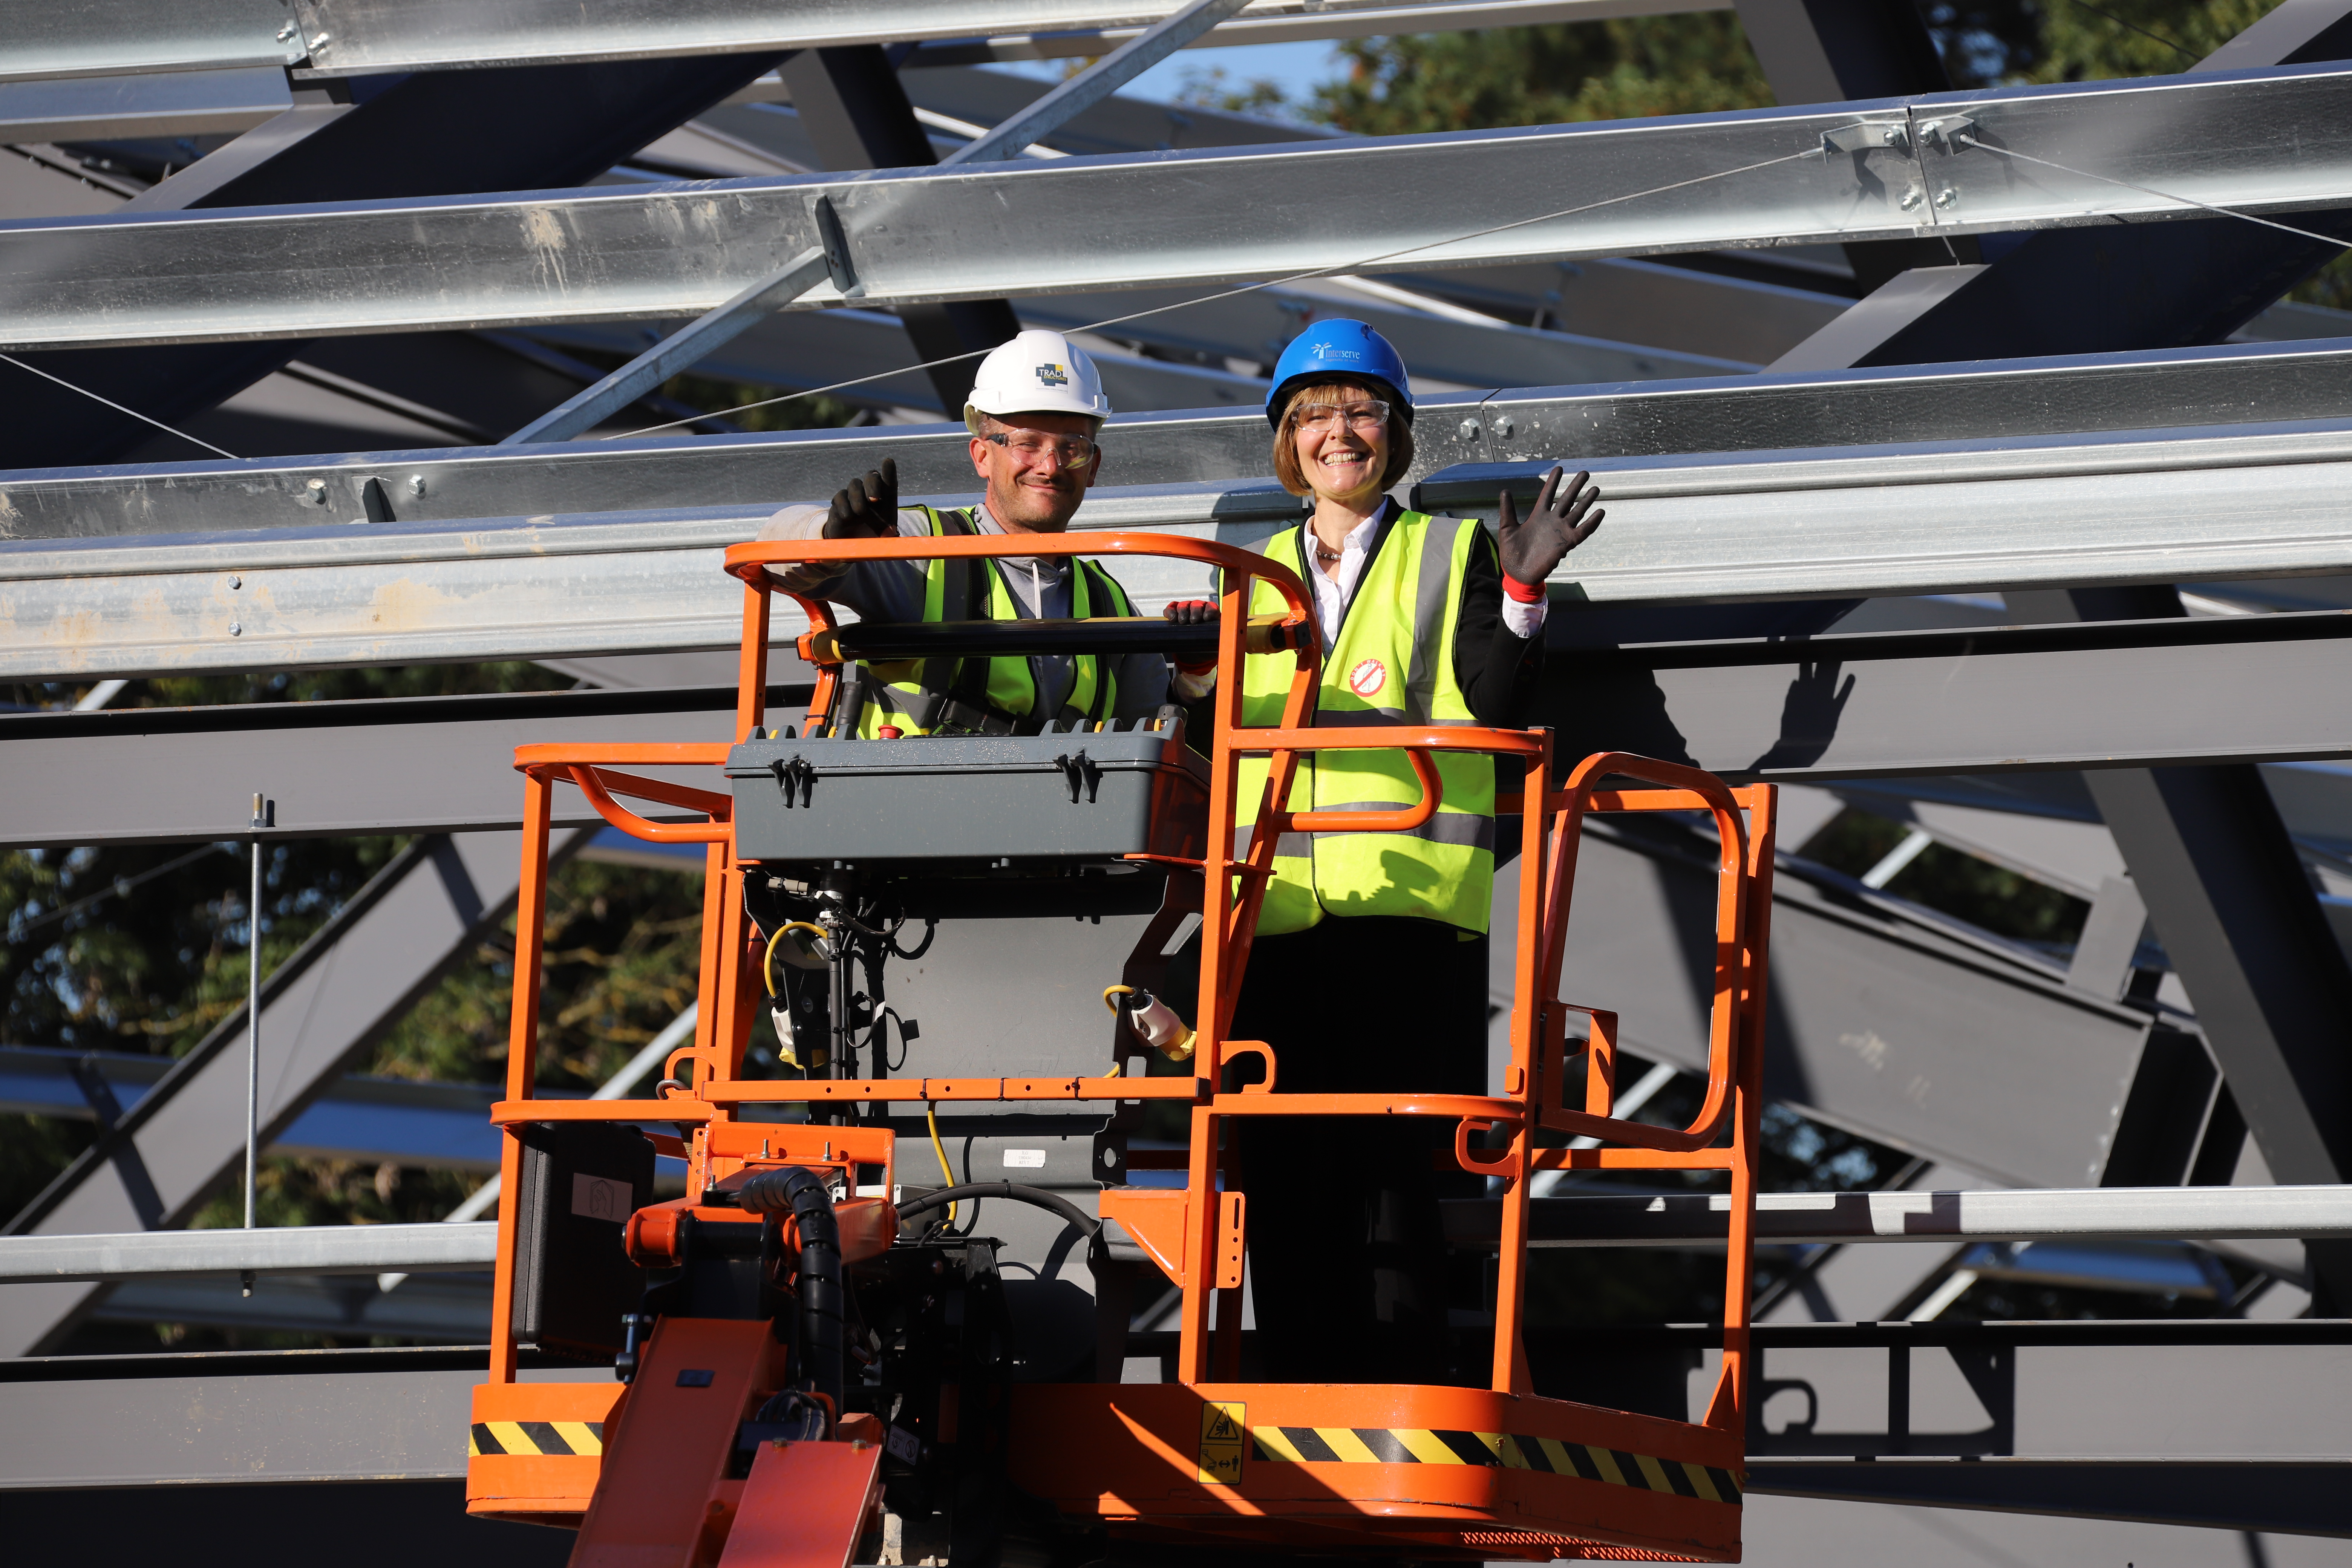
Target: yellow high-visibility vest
1392 663
912 693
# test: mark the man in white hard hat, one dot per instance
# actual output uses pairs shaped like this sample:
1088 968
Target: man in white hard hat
1035 408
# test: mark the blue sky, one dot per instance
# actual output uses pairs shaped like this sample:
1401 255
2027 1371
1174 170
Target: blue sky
1298 67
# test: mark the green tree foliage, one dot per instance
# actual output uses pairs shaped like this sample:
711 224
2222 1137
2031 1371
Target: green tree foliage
1542 76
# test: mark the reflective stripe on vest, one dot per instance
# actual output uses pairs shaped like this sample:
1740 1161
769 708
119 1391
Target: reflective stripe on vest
910 693
1391 664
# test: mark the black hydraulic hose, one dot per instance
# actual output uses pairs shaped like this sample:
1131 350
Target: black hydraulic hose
823 1334
1037 1196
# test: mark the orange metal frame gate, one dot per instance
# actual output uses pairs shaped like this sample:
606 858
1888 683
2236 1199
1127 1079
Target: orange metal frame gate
1419 1470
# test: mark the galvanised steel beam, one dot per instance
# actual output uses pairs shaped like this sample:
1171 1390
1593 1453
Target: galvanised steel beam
416 137
316 596
2016 403
361 37
1775 527
272 1250
2262 142
168 1155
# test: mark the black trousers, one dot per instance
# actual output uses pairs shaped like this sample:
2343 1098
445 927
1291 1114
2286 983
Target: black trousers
1347 1258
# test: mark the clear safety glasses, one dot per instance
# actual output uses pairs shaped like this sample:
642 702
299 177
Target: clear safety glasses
1367 418
1031 449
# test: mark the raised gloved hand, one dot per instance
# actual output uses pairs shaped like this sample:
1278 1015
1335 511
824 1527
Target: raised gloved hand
867 508
1563 517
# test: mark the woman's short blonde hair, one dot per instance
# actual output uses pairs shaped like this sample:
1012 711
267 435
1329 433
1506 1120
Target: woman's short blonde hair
1285 441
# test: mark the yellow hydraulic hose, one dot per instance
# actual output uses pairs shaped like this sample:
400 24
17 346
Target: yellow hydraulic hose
931 1115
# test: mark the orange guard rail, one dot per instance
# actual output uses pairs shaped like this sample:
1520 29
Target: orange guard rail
1539 1090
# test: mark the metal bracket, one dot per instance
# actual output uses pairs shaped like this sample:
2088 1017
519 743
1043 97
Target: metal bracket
835 241
1948 134
1866 138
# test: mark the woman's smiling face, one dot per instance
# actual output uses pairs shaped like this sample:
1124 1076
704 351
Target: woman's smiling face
1343 451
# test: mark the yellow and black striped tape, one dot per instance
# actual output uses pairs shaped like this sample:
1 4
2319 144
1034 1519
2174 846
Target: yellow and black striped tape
1415 1445
558 1438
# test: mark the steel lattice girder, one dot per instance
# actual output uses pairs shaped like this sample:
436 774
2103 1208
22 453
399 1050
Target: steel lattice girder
2019 402
2265 140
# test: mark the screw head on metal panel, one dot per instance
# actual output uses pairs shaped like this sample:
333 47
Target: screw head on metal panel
416 484
1910 200
235 629
1469 429
235 581
1503 426
319 42
286 34
316 492
1947 198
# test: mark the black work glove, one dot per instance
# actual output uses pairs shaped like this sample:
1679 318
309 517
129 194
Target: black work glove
1563 518
867 508
1193 613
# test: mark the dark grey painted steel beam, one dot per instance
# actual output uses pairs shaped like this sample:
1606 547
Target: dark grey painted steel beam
359 1416
855 107
370 969
1835 51
2100 288
169 103
2284 1496
334 768
2019 401
2023 698
1919 1216
1879 706
1885 1019
2229 900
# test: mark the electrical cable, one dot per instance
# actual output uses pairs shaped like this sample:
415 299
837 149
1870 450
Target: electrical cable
2338 241
86 392
1246 288
947 1174
768 964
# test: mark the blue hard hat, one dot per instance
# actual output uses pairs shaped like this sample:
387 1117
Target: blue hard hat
1338 351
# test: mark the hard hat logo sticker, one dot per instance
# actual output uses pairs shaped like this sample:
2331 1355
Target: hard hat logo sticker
1053 376
1368 677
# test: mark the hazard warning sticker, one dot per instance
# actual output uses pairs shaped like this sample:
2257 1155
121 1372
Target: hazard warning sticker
1367 676
1224 1425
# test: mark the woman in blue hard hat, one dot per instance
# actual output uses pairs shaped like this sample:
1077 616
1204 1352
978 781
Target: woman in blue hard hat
1370 970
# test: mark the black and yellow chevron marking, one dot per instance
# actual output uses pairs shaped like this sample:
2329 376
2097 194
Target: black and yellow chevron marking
1412 1445
558 1439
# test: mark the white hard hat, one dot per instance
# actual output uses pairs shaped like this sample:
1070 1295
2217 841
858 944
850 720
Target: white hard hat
1036 373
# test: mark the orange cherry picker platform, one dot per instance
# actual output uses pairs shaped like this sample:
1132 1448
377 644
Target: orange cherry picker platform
802 1359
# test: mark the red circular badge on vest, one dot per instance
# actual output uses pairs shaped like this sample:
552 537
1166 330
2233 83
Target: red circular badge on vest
1367 676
